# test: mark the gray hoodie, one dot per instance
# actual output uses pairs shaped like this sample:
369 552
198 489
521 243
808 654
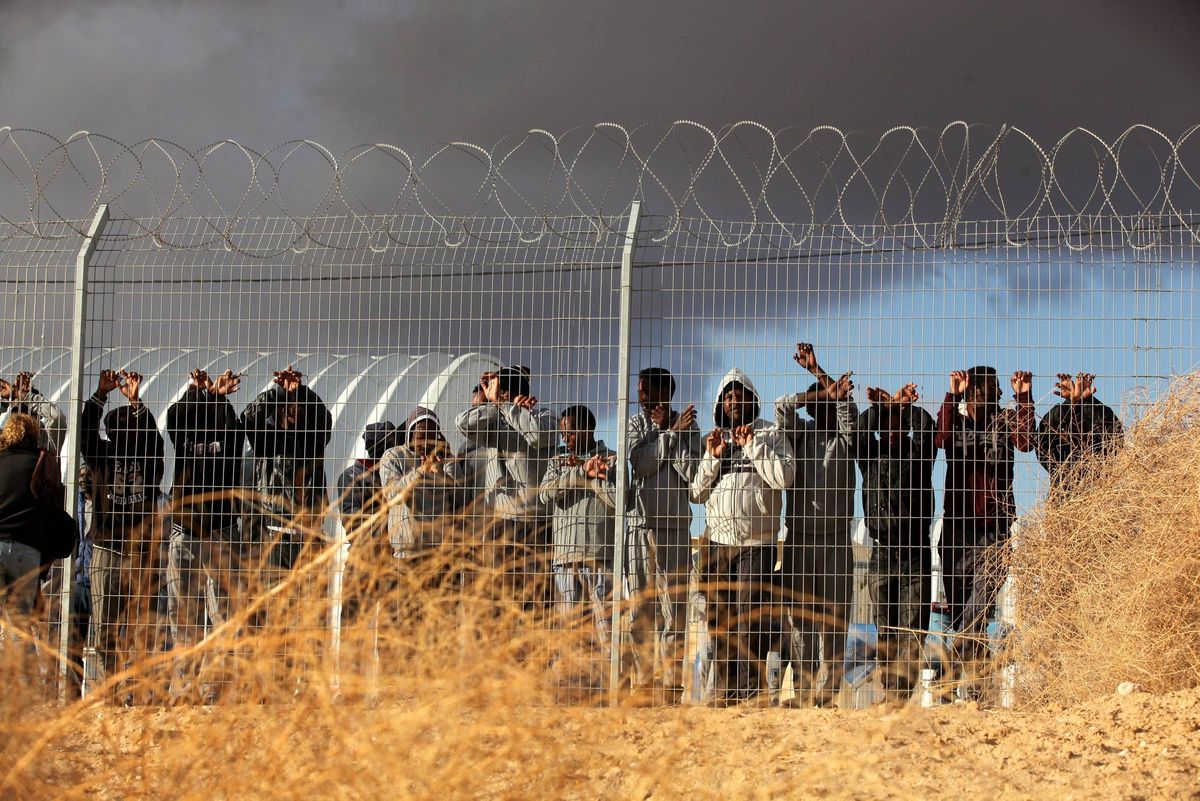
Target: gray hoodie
521 443
664 464
742 492
582 508
822 500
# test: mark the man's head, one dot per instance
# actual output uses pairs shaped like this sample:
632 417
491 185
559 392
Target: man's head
578 427
379 437
983 394
478 396
823 412
655 387
513 382
738 404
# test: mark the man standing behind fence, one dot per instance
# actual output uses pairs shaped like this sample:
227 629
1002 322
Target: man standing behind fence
1079 427
817 565
127 467
288 427
979 439
740 480
520 438
664 447
896 452
579 489
205 576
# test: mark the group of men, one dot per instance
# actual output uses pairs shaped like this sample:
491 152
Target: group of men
537 493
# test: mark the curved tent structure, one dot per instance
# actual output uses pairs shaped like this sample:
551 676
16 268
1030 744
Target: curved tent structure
358 388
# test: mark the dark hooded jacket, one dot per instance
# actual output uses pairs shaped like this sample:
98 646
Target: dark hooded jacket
289 464
24 516
1071 432
208 440
897 475
127 468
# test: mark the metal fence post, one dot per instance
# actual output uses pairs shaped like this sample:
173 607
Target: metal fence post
83 261
625 328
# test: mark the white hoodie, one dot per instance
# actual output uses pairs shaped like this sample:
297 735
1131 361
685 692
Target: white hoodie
742 492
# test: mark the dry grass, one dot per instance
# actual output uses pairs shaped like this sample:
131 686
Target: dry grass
466 697
1108 575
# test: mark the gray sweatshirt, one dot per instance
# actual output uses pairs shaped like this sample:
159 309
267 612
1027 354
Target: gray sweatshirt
822 499
664 464
521 443
416 500
582 509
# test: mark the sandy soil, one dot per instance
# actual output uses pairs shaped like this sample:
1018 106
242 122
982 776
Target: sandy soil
1139 746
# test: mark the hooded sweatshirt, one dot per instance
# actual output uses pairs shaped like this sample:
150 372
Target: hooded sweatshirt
822 499
664 464
1073 431
208 440
127 468
582 508
742 491
289 464
897 475
416 499
521 443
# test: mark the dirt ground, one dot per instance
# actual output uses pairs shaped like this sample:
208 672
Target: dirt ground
1138 746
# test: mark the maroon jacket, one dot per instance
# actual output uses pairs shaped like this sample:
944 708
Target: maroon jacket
979 465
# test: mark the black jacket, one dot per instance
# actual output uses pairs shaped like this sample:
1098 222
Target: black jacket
127 468
289 464
897 476
23 518
1071 431
208 440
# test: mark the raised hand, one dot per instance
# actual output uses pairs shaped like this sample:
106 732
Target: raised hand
686 419
131 385
1065 387
659 415
907 395
289 379
23 386
841 389
227 383
877 395
525 402
960 382
1022 382
490 382
6 390
1085 385
199 379
805 356
596 467
108 382
742 435
715 443
431 462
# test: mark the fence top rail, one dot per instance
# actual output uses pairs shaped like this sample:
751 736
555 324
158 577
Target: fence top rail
803 186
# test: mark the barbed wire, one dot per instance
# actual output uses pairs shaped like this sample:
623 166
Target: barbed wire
723 185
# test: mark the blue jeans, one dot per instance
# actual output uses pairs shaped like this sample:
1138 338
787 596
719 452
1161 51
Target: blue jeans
18 576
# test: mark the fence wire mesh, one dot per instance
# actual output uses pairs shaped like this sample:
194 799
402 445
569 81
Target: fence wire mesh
331 418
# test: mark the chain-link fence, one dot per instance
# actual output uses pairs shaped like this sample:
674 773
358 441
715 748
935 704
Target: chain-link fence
757 458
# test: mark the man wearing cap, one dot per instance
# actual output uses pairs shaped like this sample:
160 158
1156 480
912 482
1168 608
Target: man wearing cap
521 438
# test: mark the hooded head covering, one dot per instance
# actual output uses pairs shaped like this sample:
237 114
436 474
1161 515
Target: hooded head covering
378 437
735 376
515 379
417 415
